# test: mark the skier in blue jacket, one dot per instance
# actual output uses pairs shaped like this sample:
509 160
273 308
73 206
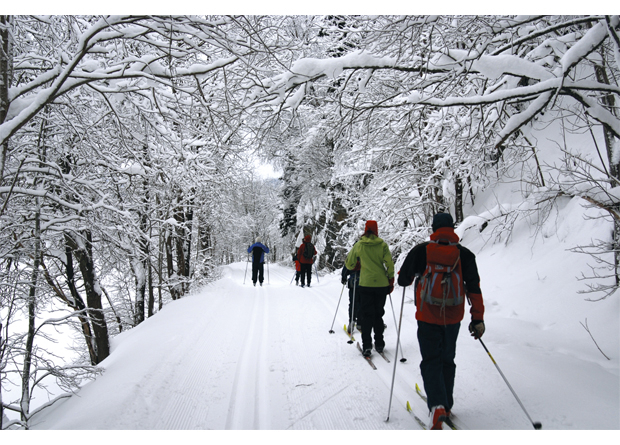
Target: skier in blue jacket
258 251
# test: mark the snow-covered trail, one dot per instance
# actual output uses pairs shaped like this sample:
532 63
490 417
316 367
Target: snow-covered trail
238 357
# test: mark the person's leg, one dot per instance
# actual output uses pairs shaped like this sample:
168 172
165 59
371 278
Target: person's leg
304 273
351 318
365 316
449 366
261 272
378 311
431 339
356 309
254 272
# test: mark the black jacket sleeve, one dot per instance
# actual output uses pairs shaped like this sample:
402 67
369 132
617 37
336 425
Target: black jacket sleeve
414 265
345 272
470 271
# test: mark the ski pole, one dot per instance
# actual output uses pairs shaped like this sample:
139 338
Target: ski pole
267 271
396 361
536 425
316 271
403 359
246 268
331 331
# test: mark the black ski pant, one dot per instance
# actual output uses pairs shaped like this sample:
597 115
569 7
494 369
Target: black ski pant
438 349
354 292
258 270
306 274
370 316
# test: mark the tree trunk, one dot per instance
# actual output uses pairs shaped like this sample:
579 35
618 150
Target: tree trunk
334 257
79 302
139 310
6 64
28 352
204 246
151 302
184 218
2 341
84 255
141 267
173 277
458 201
614 168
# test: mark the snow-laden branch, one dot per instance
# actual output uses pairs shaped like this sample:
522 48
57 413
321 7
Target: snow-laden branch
516 121
77 207
531 36
94 59
585 45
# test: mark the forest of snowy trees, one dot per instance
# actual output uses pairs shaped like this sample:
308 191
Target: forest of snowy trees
128 148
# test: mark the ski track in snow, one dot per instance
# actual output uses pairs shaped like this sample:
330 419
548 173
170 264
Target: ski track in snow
249 407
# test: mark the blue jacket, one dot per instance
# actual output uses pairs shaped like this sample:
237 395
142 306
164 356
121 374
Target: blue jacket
258 251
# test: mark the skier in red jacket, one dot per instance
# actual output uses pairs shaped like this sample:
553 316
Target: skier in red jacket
305 255
440 309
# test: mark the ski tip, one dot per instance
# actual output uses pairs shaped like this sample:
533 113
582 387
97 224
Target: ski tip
408 406
417 388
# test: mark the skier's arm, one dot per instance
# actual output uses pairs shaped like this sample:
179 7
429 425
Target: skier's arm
352 258
414 264
344 274
472 284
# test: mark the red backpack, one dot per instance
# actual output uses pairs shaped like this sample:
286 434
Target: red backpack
442 281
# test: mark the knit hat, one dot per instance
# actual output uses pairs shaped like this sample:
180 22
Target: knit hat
371 227
307 238
258 239
442 220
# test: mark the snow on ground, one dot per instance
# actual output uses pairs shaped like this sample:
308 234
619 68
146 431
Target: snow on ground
237 357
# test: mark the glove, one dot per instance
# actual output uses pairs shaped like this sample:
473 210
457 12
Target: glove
391 281
476 328
343 281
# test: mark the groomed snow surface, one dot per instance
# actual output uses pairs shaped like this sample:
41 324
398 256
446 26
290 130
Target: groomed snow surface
237 357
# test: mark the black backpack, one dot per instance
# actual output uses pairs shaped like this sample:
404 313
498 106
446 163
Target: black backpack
309 251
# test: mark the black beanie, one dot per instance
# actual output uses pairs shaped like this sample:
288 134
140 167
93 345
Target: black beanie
442 220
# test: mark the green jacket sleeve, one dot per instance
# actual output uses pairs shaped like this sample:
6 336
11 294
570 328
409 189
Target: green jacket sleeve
351 260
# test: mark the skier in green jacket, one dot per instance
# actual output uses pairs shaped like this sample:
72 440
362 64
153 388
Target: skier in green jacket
376 282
